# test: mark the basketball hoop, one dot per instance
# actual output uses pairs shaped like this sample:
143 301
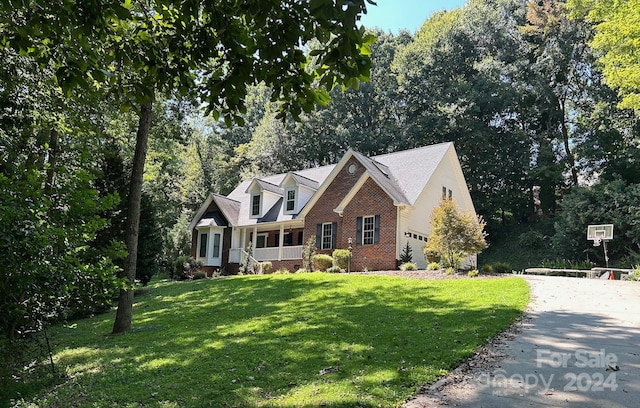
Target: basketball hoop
601 234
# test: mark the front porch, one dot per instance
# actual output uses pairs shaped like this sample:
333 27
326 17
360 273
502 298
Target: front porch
281 244
285 253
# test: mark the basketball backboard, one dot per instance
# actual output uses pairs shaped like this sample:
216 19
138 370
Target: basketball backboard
603 232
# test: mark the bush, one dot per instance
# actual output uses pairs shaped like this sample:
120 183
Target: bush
302 270
635 275
408 266
322 262
487 268
432 257
265 266
472 273
184 267
335 269
407 254
502 267
282 271
198 275
341 258
433 266
449 271
566 264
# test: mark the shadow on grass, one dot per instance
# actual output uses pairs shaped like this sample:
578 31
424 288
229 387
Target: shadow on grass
280 341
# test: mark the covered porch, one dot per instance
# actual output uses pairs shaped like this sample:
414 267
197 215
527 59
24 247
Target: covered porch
268 243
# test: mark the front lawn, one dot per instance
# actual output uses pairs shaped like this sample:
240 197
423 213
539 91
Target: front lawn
302 340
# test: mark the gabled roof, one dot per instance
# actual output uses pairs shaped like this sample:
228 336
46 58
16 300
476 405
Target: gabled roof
380 174
228 207
402 175
300 180
412 169
265 186
212 219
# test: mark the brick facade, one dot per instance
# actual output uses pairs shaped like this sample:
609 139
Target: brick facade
369 200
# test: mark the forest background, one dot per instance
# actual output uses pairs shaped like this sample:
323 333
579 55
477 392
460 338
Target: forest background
535 99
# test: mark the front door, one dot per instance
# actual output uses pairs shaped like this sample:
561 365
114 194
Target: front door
215 254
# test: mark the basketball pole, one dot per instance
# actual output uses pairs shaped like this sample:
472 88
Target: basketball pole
606 255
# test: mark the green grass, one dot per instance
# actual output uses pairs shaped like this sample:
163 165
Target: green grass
281 341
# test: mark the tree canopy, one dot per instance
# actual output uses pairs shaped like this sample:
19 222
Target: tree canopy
617 42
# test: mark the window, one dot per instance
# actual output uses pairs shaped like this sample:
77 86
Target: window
255 205
261 240
291 200
444 193
368 230
288 239
203 246
299 237
327 235
216 245
450 194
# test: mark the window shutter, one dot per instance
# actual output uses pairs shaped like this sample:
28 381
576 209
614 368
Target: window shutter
359 231
334 235
376 233
318 235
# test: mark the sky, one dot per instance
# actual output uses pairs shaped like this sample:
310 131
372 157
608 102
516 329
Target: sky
394 15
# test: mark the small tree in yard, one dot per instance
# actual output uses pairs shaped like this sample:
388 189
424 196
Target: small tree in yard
455 235
308 252
406 255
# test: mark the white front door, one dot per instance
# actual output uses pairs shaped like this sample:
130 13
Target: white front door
210 246
215 249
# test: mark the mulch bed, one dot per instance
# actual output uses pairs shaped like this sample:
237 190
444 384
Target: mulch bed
435 275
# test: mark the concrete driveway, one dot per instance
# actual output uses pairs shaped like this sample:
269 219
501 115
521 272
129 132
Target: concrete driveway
578 346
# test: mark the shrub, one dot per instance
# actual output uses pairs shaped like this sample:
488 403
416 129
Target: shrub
334 269
266 266
408 266
635 274
566 264
406 255
487 268
199 275
432 257
321 262
472 273
302 270
502 267
184 267
282 271
449 271
308 252
341 258
433 266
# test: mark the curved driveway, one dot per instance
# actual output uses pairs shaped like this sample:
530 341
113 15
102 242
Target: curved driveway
578 347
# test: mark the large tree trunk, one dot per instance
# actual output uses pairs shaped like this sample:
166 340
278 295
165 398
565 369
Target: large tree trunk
124 313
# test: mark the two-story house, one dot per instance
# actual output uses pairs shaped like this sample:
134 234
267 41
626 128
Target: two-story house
377 203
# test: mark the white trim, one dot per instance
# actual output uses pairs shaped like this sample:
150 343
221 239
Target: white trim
373 230
322 236
352 193
266 239
259 214
286 200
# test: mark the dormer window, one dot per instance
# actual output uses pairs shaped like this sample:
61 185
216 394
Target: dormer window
255 205
290 204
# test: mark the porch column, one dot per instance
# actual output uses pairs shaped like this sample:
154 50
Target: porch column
243 238
281 243
255 238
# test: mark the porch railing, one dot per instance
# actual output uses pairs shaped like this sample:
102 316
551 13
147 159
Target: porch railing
267 254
